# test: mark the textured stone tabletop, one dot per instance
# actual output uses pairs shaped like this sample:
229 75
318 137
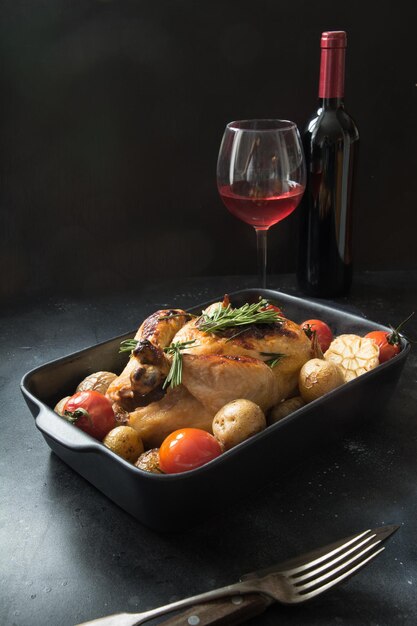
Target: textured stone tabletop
69 554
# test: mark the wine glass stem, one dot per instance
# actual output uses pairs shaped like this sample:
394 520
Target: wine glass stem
261 234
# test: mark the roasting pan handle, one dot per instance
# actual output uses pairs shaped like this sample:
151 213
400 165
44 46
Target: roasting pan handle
64 433
54 427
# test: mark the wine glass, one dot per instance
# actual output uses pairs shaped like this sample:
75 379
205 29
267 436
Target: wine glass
261 175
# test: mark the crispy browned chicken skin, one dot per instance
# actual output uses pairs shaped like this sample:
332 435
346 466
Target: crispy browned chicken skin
217 368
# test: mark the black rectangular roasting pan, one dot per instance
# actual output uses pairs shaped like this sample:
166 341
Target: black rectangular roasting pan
175 502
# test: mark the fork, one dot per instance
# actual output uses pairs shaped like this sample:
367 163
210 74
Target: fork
292 582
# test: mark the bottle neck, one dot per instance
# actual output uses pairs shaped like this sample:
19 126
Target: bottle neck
332 74
331 103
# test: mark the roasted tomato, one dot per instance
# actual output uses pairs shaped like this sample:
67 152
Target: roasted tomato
388 347
91 412
322 330
186 449
273 307
388 342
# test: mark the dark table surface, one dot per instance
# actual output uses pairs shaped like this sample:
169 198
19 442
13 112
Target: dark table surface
69 554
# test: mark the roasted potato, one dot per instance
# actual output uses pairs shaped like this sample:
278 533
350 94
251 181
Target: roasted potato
236 421
99 381
318 377
149 461
284 408
124 441
59 407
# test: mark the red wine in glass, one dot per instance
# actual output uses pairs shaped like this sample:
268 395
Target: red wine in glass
261 211
261 175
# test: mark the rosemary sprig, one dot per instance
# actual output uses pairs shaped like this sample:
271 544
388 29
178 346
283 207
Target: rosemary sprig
174 377
128 345
175 373
222 318
275 357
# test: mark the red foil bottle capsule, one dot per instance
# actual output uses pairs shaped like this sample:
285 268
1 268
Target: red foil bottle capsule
332 64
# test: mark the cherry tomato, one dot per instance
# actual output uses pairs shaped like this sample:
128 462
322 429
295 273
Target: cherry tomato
324 334
388 344
91 412
272 307
186 449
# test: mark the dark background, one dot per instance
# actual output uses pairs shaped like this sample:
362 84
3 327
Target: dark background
112 112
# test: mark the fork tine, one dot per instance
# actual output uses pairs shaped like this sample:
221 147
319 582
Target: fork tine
312 559
309 572
299 596
341 564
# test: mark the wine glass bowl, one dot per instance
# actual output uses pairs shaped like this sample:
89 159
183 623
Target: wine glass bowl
261 175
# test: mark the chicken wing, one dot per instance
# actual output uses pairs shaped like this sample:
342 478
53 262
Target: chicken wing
141 380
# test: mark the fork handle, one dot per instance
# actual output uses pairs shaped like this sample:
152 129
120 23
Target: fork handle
222 612
134 619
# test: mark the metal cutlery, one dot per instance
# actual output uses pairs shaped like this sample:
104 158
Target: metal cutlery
292 582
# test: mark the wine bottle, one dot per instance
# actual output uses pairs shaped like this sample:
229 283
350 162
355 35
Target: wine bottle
330 143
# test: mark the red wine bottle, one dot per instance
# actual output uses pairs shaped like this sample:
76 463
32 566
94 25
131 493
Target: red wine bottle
330 143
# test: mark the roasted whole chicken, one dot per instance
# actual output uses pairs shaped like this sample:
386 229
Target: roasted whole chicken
217 367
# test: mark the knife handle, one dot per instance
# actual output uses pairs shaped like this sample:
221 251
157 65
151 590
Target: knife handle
223 612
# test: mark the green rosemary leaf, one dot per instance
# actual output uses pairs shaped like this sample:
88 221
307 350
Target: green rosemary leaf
275 358
239 332
174 377
222 318
128 345
273 362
